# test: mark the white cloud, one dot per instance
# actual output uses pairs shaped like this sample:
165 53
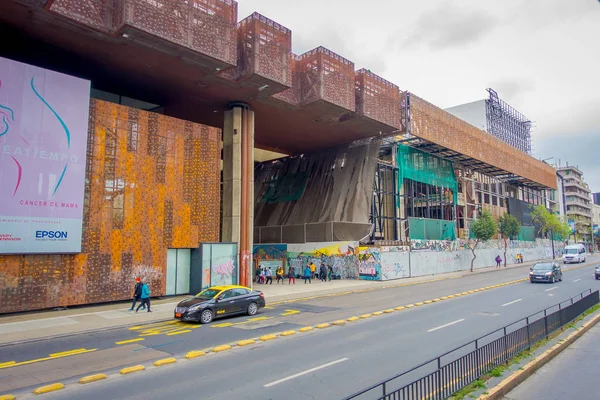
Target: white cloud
541 56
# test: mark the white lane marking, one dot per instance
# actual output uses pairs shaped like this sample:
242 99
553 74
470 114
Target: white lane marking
446 325
547 290
576 280
512 302
308 371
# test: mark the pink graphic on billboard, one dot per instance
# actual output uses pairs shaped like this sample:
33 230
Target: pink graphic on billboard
43 142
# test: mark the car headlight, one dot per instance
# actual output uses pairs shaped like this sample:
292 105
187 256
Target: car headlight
548 273
196 307
530 272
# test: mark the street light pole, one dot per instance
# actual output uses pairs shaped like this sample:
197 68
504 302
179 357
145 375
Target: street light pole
552 239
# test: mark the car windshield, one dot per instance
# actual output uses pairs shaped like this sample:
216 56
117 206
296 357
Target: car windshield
542 267
207 293
571 251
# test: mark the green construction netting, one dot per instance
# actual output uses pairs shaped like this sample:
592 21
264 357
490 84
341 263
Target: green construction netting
421 167
431 229
527 234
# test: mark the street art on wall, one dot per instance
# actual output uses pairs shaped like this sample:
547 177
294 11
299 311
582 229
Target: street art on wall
269 255
369 263
43 143
394 264
340 256
219 264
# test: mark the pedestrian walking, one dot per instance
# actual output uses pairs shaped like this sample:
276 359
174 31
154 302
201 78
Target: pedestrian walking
137 292
498 261
323 273
261 276
329 272
269 276
279 275
307 274
291 276
145 296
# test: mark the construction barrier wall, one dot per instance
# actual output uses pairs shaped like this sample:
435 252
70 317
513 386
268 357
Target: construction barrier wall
152 183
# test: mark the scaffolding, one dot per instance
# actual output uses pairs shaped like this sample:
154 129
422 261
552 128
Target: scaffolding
507 124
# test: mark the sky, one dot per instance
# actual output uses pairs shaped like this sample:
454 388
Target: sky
541 56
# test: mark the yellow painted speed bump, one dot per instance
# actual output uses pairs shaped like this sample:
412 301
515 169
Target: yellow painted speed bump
428 301
400 308
410 305
377 313
444 298
243 343
223 347
179 332
306 329
268 337
388 311
451 296
471 291
457 295
49 388
194 354
339 322
476 290
464 293
352 319
90 379
436 300
366 316
131 370
288 333
419 303
322 326
8 397
164 361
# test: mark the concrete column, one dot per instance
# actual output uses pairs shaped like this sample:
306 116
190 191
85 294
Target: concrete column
238 185
232 175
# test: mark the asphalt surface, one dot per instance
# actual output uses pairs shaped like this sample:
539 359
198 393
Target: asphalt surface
178 338
571 375
335 362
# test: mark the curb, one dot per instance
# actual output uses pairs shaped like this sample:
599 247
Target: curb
503 388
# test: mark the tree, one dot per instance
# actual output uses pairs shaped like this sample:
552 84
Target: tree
509 227
484 228
546 222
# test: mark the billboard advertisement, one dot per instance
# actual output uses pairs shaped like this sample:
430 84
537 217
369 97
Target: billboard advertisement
43 142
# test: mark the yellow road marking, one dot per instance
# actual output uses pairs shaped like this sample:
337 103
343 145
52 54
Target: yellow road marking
93 378
13 364
165 361
290 312
306 329
179 332
130 341
194 354
49 388
67 353
243 343
130 370
6 364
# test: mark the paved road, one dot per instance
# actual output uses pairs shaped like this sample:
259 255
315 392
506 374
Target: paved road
335 362
177 338
572 373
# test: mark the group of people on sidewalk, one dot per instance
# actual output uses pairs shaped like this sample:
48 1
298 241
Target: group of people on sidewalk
519 259
264 275
141 293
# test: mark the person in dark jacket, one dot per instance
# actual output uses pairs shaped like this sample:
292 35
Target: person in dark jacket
323 273
137 292
329 273
145 296
291 276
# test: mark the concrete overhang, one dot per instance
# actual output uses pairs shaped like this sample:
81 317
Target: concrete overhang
438 132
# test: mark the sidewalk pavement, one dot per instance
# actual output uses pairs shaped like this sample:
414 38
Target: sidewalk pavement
46 324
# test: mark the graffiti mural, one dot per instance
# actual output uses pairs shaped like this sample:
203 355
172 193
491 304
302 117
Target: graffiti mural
369 263
340 256
394 264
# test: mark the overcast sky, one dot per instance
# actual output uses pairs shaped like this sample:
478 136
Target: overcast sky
541 56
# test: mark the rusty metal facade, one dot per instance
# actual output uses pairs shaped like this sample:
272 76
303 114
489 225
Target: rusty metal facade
435 125
152 183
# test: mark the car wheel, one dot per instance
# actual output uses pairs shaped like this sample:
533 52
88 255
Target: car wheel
206 317
553 279
252 309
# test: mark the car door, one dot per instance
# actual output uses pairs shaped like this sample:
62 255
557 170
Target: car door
225 303
243 299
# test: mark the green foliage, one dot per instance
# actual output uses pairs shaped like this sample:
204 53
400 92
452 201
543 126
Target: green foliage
549 222
485 227
509 226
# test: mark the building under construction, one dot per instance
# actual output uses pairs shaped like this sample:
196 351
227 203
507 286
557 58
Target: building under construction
189 109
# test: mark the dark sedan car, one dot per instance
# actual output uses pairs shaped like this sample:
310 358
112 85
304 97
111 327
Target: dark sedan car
597 272
220 301
545 272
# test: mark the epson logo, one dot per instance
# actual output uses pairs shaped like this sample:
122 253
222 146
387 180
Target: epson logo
51 234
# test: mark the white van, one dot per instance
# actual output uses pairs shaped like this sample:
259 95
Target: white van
574 253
